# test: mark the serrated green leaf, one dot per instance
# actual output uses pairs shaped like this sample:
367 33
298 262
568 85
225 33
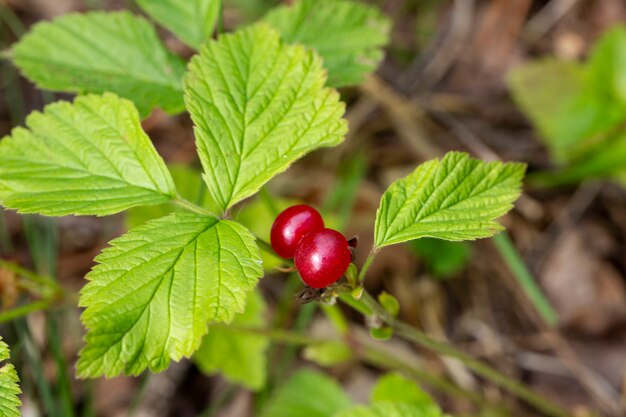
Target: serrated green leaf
235 353
189 185
393 387
348 35
98 52
193 21
88 158
157 287
9 386
387 409
455 198
307 394
258 105
558 99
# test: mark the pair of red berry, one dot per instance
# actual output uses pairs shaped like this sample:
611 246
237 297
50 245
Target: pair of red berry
321 255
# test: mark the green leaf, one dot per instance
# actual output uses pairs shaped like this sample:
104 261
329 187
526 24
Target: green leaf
393 387
193 21
330 353
558 99
348 35
258 105
443 259
98 52
189 185
307 394
89 157
9 386
607 67
389 303
157 287
455 198
237 354
387 409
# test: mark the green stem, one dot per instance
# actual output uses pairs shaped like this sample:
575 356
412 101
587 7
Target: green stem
524 278
410 333
367 264
265 246
24 310
40 279
189 206
268 200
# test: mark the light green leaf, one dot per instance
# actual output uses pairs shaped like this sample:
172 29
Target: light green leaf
89 157
9 386
189 185
394 387
258 105
307 394
455 198
348 35
156 288
330 353
98 52
557 97
237 354
193 21
607 67
387 409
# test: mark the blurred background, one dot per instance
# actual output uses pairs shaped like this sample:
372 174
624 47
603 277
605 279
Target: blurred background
545 303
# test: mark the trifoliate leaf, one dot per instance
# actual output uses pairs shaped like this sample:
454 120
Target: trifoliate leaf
156 288
308 394
236 353
89 157
258 105
394 387
348 35
9 388
98 52
193 21
455 198
388 409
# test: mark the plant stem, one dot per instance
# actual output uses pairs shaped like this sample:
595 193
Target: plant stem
410 333
24 310
367 264
524 278
189 206
31 276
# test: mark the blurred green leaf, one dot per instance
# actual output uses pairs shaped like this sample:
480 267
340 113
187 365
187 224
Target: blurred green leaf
393 387
389 303
235 353
442 258
328 353
307 394
387 409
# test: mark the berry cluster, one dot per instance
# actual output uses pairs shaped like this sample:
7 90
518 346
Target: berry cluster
321 255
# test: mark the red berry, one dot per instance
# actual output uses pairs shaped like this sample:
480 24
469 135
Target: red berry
292 225
322 257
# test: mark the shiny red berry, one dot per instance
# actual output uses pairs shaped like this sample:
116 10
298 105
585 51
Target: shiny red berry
322 257
292 225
